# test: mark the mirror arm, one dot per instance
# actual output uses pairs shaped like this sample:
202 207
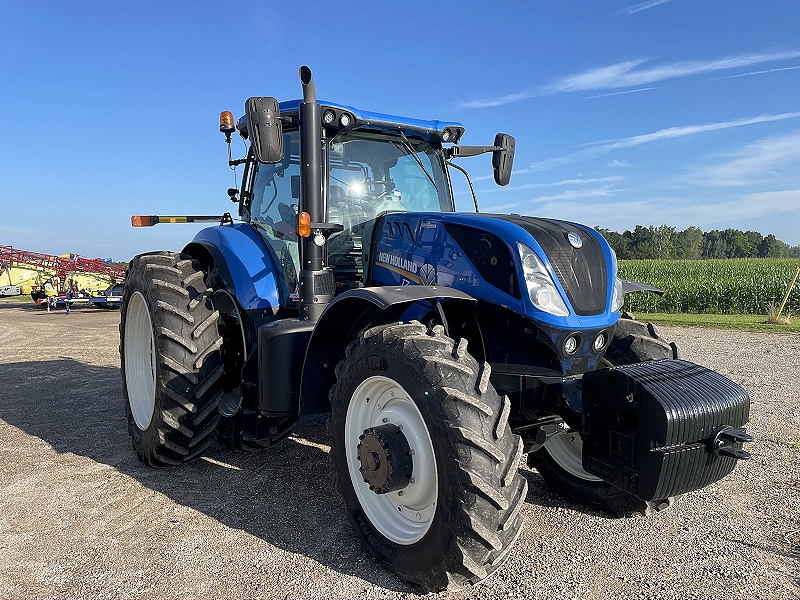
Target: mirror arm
466 151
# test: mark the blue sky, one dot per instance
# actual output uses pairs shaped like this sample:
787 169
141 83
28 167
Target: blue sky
666 111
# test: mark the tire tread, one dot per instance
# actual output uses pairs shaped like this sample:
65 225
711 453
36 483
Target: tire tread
189 366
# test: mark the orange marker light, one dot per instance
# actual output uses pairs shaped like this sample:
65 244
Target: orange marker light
142 221
226 123
304 224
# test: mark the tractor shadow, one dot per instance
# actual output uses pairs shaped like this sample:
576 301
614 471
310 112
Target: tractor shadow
541 494
286 496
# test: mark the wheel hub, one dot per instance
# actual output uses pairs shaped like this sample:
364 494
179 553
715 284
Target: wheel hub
385 458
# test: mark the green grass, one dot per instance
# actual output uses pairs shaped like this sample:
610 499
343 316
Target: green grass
742 322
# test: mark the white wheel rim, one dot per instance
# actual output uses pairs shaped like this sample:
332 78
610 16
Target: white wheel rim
403 516
140 361
567 450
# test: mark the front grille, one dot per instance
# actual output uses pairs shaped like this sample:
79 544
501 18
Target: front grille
581 271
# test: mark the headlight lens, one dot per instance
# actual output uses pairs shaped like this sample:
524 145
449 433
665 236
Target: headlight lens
541 288
619 296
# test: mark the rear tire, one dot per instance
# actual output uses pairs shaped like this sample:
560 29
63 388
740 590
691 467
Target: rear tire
457 521
170 358
559 461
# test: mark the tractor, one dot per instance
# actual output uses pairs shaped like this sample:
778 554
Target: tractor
446 347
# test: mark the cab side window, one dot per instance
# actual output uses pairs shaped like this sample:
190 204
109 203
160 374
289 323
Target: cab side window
273 211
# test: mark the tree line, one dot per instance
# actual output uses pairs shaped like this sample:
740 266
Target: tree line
665 242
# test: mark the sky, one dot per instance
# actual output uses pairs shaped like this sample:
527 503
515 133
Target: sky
677 112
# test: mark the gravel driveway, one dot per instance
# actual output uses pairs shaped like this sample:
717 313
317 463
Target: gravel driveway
81 517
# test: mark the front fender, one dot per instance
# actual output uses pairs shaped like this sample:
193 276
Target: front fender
343 319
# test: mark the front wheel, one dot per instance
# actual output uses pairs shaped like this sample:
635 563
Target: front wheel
426 461
560 460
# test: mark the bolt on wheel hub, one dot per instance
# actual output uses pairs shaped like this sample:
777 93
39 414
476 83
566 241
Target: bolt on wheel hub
385 458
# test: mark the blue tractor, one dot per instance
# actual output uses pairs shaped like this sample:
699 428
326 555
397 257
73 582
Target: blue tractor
445 346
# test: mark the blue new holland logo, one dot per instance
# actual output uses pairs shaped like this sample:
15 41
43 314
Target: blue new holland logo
427 274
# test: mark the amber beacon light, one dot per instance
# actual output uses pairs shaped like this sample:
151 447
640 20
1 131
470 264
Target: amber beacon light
226 124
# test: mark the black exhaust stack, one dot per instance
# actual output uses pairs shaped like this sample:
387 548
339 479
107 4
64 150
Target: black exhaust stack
317 285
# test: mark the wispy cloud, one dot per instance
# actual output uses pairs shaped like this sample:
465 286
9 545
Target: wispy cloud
631 74
500 101
627 74
640 7
683 131
618 163
501 206
605 147
758 72
620 93
563 182
565 196
606 190
755 162
621 214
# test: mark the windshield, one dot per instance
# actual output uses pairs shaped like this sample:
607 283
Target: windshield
369 174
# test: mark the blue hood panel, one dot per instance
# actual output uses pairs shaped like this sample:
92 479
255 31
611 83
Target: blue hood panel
416 249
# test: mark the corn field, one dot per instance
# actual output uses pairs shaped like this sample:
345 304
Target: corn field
728 286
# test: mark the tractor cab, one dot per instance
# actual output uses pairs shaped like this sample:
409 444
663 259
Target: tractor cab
375 164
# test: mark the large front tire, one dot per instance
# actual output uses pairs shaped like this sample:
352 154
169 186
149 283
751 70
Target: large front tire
170 358
559 461
457 516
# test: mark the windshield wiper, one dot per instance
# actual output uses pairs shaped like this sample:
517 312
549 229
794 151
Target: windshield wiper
409 149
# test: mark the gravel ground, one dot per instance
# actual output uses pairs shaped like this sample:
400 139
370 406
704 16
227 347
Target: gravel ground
81 517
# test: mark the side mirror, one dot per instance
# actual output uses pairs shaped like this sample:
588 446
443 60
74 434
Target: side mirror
503 158
265 129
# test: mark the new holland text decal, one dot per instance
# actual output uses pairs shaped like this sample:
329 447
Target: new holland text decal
424 274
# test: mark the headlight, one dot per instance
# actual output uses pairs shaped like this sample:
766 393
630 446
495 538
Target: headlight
619 296
618 299
541 288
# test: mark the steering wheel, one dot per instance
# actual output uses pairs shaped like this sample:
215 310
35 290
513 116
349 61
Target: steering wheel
376 195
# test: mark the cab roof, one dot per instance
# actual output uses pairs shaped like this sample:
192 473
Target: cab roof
427 130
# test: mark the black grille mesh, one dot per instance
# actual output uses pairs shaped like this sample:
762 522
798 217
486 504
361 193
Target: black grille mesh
581 271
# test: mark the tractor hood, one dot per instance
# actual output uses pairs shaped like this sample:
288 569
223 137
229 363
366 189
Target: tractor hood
480 255
577 258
